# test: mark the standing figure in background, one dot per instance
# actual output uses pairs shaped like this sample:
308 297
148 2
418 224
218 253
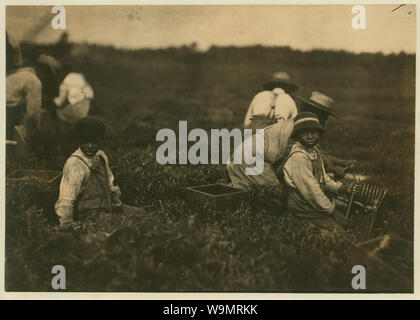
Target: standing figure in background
273 103
73 101
23 95
72 104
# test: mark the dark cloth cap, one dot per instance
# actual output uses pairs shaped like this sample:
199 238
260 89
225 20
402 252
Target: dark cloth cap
89 129
306 120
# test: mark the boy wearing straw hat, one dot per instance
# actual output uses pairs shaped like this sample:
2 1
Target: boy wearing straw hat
311 190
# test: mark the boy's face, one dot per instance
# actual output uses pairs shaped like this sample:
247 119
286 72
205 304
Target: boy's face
90 148
309 137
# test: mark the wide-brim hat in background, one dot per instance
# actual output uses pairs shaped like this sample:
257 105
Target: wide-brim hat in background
321 102
306 120
280 80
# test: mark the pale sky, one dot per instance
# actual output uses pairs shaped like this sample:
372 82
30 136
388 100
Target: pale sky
299 26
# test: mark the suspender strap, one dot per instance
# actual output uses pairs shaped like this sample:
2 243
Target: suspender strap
87 165
290 154
73 155
92 170
317 167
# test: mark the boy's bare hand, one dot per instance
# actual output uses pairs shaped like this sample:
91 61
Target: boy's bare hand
117 205
349 187
115 195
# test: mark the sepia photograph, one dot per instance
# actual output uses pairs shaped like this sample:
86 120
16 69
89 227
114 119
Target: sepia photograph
210 148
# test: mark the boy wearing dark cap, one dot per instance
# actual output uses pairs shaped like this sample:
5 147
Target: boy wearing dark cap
311 190
87 186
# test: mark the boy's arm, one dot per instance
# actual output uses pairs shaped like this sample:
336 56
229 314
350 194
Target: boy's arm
62 95
74 176
330 184
115 190
88 91
298 169
110 175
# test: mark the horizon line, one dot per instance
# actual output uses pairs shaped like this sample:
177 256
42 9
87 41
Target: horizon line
196 48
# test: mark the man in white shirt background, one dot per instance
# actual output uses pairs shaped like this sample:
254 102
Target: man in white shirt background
273 103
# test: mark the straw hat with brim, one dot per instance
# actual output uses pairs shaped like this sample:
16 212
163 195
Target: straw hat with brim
321 102
280 80
306 120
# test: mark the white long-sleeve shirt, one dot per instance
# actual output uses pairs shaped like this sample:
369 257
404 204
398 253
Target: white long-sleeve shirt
306 196
74 97
24 88
74 88
275 104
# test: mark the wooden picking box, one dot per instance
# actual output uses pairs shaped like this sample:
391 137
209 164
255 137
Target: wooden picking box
216 196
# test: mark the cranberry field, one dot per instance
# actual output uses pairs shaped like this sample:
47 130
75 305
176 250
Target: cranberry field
174 246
